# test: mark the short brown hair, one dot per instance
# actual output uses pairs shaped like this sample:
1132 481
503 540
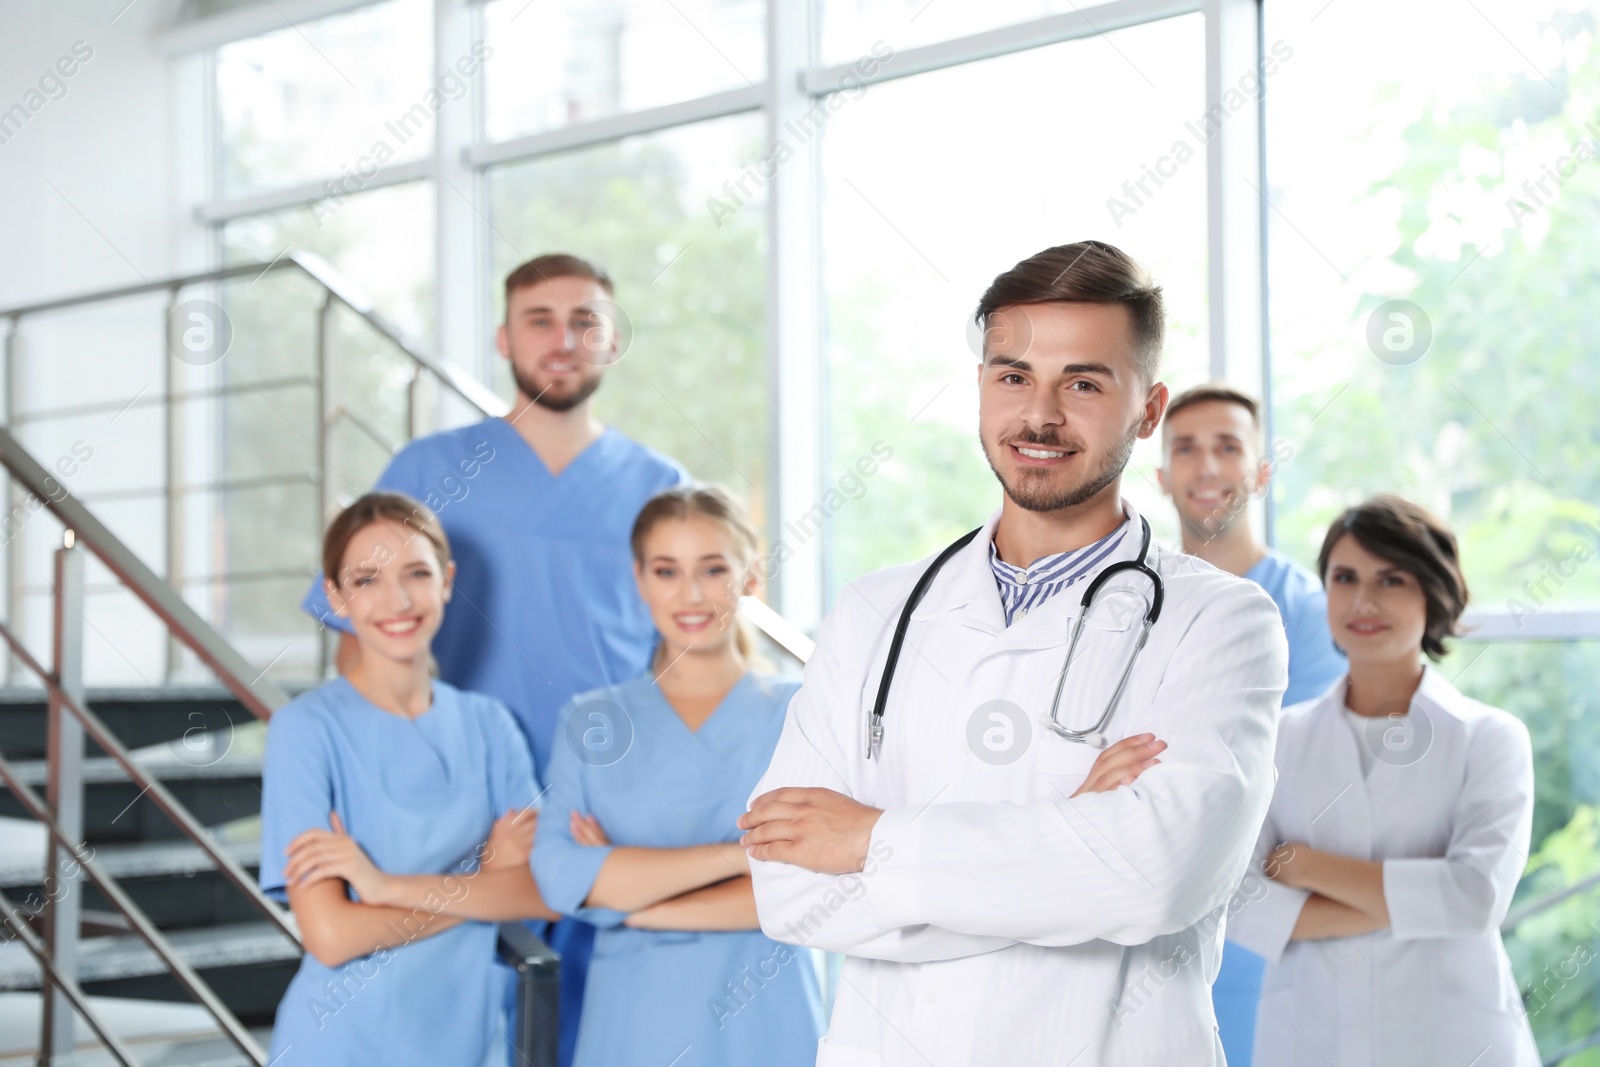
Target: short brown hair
1222 391
1418 542
1086 272
556 265
1209 392
376 507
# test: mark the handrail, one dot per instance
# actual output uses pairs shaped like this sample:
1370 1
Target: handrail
1582 1044
186 626
151 787
1548 901
186 976
323 274
261 697
31 941
784 634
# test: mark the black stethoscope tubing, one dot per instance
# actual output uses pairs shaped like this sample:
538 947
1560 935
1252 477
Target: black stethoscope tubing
920 590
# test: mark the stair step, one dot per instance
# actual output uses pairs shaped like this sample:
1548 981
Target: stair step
156 1032
145 859
174 882
124 956
218 780
238 756
138 717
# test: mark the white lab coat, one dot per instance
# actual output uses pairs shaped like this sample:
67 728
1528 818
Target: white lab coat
998 921
1448 809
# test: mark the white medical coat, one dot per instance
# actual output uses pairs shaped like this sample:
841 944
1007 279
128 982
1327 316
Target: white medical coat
1447 808
997 921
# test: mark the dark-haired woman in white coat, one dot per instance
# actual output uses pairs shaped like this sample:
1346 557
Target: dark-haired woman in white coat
1397 833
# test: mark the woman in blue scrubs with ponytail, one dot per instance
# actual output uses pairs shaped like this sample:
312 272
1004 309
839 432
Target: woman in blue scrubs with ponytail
396 820
647 778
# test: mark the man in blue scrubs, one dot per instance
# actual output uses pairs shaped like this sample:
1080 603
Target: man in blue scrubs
538 507
1213 466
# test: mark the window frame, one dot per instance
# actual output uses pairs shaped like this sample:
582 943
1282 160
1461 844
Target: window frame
463 158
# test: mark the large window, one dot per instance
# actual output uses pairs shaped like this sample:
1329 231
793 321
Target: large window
273 439
691 283
326 99
324 133
933 185
571 61
382 242
653 135
850 27
1431 280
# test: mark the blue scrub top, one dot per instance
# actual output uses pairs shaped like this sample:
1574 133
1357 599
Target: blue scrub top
1314 666
544 605
420 796
688 998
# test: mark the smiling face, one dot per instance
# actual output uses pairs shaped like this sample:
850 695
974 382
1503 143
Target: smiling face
1061 401
691 579
559 337
1376 610
1213 466
393 589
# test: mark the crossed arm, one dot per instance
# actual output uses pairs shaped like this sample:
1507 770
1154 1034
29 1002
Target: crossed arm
396 909
1346 893
1142 861
1467 890
708 887
827 832
698 887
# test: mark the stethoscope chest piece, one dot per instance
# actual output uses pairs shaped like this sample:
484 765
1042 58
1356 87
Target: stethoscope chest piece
1091 738
1095 736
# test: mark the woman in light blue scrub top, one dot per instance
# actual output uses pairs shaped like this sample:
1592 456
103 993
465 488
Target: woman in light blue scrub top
397 822
647 778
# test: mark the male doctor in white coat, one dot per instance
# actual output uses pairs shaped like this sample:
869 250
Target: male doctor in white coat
1004 894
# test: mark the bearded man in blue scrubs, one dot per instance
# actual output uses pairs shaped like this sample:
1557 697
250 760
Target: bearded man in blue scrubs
538 507
1213 466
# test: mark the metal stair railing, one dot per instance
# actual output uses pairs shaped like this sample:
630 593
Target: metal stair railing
318 270
12 918
535 962
185 975
1539 906
70 721
1548 901
336 292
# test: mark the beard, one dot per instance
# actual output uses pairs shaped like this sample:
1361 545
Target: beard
541 395
1218 521
1031 489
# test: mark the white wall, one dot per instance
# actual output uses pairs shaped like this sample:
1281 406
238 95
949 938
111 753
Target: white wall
121 207
100 172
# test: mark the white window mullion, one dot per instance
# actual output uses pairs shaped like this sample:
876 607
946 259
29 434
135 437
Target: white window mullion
457 200
1234 204
1233 193
794 308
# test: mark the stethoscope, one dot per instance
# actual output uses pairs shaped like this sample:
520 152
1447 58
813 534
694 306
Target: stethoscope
1095 735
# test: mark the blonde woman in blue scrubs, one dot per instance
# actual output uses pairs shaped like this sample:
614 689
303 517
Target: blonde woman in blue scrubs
647 778
396 820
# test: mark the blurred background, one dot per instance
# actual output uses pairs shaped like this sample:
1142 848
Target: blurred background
801 201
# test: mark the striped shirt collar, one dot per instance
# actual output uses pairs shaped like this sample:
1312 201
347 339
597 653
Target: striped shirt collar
1022 589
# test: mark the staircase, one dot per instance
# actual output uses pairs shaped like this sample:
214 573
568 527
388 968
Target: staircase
206 748
158 925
